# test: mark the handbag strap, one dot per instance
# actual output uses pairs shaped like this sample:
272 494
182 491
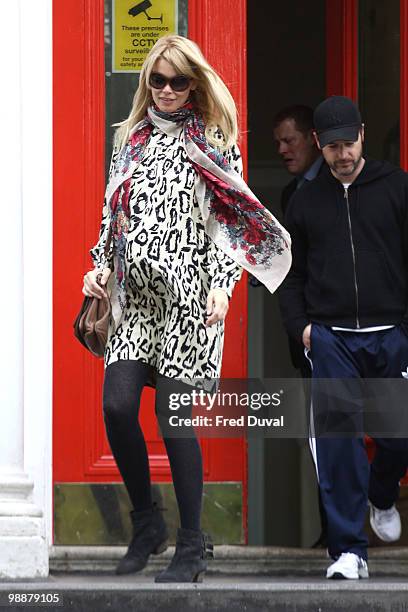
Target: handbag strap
108 242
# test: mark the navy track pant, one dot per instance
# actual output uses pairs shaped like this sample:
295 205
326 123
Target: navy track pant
345 478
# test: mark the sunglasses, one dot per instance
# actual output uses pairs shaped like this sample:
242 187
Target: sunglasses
177 83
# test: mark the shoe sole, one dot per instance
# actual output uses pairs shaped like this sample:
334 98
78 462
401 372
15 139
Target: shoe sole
339 576
381 537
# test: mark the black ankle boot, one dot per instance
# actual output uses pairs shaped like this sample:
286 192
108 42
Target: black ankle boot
149 537
189 563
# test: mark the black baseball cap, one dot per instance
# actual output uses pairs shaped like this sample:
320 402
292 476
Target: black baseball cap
337 118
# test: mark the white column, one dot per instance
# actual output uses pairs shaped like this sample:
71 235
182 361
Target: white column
23 547
37 193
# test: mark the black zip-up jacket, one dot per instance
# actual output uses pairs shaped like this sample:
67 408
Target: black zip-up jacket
350 251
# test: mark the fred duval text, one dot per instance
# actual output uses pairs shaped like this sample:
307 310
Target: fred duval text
249 420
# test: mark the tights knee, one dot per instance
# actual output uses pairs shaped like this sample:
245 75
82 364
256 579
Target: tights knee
119 410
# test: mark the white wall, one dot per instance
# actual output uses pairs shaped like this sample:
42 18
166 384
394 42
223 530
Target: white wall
36 122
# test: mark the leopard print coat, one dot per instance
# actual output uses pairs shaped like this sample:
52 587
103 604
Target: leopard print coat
171 265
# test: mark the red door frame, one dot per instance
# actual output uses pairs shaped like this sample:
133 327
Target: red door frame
342 48
404 84
81 453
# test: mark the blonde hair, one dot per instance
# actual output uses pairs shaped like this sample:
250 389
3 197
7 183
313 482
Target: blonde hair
211 97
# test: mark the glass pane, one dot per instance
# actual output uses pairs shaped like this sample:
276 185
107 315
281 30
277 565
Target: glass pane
379 77
121 86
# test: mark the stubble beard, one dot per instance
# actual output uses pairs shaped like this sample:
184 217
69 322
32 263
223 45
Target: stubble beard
345 172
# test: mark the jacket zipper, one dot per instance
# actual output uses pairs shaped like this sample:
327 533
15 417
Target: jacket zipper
354 256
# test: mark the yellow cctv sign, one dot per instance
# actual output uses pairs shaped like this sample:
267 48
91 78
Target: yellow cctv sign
136 26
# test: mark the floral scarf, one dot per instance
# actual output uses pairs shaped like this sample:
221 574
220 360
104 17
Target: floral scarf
233 217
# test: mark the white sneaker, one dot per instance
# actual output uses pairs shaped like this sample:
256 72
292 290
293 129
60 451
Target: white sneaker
349 566
386 524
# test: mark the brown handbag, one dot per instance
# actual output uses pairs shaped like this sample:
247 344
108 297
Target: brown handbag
92 322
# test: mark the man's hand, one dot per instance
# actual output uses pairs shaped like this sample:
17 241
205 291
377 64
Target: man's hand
306 336
217 306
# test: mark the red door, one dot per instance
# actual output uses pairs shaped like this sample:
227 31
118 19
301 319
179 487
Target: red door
81 452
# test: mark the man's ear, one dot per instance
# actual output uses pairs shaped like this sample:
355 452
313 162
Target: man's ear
317 140
310 137
362 132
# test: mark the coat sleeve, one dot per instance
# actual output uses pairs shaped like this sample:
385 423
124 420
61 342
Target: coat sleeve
291 293
99 258
227 272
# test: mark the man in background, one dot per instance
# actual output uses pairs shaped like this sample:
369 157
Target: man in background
293 134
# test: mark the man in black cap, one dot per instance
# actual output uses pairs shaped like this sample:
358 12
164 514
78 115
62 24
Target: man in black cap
346 299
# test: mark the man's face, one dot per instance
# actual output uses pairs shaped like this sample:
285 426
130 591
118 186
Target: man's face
343 156
298 150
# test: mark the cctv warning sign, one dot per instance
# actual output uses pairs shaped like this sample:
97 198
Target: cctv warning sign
136 26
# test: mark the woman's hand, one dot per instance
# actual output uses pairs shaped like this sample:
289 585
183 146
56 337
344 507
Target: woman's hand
217 306
91 286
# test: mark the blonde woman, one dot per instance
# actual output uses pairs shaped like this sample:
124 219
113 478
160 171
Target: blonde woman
181 224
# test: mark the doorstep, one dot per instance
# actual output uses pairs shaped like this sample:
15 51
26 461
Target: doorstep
232 560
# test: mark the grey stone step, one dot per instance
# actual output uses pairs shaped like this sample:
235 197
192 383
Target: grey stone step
229 560
97 593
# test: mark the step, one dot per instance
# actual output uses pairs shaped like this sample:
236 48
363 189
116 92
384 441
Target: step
97 592
250 561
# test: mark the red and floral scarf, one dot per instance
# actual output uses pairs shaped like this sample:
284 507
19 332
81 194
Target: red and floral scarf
234 218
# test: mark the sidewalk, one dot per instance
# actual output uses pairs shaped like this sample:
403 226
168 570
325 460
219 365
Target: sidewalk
239 579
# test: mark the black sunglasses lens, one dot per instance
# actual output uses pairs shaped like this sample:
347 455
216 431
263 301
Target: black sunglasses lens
157 81
179 83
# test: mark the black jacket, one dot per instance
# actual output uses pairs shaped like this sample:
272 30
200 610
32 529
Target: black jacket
350 255
296 348
289 190
287 193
